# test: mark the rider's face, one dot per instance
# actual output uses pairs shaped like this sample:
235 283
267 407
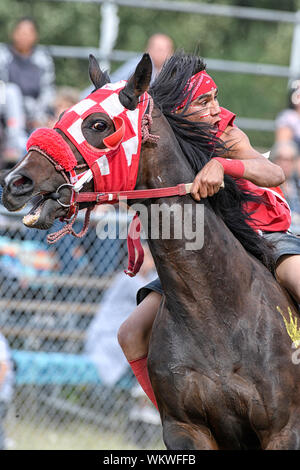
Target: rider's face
205 108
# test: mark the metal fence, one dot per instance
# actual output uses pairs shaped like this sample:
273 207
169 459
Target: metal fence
109 31
49 296
109 28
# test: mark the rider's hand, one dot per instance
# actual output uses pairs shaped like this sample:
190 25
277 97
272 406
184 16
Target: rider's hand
208 181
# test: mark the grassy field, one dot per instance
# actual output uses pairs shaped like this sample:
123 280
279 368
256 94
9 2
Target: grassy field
26 435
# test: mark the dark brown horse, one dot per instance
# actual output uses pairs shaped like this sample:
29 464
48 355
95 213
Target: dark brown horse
221 357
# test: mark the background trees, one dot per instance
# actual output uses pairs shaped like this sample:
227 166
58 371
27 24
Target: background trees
77 24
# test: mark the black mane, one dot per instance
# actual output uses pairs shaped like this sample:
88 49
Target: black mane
199 146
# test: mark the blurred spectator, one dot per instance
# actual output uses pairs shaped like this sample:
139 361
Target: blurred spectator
101 344
28 71
6 385
288 121
64 99
286 155
13 134
159 46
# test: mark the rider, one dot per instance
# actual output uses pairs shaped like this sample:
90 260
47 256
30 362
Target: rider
272 220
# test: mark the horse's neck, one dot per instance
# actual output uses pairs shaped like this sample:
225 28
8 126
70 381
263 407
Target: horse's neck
202 257
184 261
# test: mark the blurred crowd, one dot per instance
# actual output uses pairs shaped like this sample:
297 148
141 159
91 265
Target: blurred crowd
286 151
27 70
29 97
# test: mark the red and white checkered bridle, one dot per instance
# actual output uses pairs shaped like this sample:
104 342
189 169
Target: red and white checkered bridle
113 169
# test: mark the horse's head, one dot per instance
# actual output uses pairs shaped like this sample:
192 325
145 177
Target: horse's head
86 137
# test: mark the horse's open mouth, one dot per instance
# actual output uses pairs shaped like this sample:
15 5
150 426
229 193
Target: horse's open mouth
44 207
43 213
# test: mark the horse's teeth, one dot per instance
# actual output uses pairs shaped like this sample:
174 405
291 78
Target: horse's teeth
30 220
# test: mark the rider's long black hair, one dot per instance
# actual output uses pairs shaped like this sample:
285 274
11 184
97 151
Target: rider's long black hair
199 145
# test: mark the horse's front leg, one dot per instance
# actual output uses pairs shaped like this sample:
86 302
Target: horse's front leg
288 438
184 436
177 434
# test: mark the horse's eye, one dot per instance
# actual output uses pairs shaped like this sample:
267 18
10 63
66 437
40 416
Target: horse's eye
100 126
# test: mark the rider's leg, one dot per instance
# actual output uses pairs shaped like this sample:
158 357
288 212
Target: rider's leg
288 274
134 335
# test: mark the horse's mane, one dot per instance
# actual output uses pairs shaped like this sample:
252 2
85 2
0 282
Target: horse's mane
199 145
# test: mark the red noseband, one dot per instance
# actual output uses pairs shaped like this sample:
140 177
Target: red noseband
52 143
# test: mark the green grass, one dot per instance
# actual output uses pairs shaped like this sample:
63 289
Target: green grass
27 435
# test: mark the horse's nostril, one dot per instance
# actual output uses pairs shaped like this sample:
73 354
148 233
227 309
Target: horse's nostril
2 177
20 185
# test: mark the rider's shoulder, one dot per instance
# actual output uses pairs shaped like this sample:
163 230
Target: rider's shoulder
234 133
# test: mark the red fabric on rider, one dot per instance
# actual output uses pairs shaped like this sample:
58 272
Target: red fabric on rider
274 214
140 370
227 119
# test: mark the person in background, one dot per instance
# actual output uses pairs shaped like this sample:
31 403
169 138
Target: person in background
286 155
101 344
13 135
159 46
6 385
287 123
65 98
28 71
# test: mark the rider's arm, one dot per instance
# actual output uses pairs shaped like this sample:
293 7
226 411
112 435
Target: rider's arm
249 164
257 169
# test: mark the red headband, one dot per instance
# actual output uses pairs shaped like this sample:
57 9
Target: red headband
199 84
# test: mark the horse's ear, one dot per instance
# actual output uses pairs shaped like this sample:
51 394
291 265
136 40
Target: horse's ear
137 84
97 77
